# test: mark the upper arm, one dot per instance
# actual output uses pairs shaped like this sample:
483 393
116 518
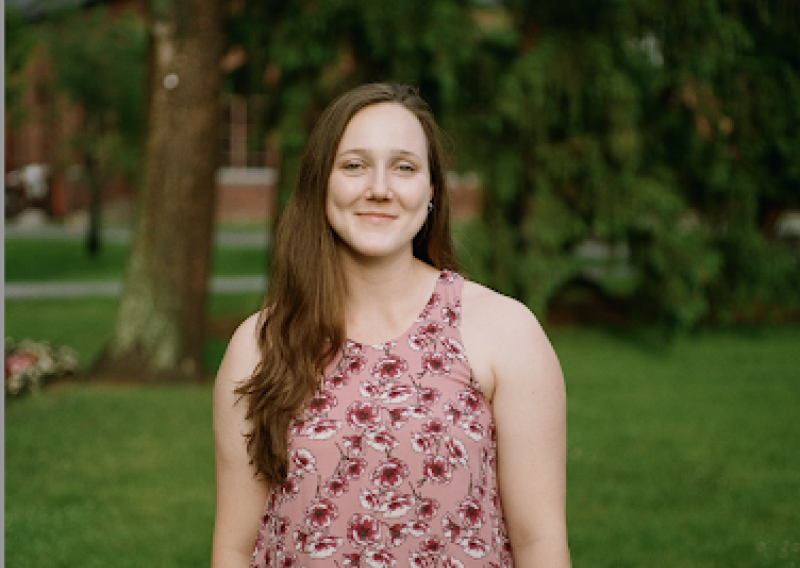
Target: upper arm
530 416
240 494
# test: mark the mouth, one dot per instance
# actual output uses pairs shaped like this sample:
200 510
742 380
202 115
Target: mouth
375 217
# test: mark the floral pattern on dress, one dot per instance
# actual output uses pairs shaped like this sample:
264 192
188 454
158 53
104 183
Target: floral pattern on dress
393 460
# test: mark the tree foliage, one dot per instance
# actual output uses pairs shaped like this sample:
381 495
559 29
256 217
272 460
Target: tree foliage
665 127
98 63
19 43
666 130
306 53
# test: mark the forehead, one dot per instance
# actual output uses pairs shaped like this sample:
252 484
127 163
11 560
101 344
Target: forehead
384 126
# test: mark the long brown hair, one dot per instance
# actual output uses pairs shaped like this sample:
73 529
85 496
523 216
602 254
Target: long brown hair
301 325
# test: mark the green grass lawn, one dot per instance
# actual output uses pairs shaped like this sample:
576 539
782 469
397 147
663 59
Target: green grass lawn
86 323
681 458
50 260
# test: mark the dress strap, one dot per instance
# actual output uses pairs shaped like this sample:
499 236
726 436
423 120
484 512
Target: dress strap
449 287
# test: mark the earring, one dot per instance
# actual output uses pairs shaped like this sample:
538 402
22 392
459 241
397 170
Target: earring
430 206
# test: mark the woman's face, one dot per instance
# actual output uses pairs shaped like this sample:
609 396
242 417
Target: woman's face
380 184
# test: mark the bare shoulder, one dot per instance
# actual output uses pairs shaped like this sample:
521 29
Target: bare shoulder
501 314
242 354
510 336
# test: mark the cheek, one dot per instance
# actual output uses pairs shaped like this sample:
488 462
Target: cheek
340 193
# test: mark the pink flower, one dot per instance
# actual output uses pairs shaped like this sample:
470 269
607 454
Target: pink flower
474 546
450 529
301 540
363 530
419 411
381 440
434 426
427 508
351 561
471 400
289 560
354 445
388 346
19 362
397 506
389 473
389 367
417 560
336 486
290 488
379 557
321 402
417 528
417 342
453 348
470 512
355 364
473 429
370 499
447 277
304 460
452 412
501 542
321 429
282 526
336 381
395 394
456 450
432 546
436 363
399 416
437 469
422 443
368 389
363 414
397 534
321 513
353 348
430 330
355 467
323 546
451 314
428 395
451 562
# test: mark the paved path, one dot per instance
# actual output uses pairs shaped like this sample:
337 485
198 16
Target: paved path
222 237
113 288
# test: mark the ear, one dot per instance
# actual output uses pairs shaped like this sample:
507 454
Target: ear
430 197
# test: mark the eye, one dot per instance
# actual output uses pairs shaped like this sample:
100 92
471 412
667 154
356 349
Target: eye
406 167
351 165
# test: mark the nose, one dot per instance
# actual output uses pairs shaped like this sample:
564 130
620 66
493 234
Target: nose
379 184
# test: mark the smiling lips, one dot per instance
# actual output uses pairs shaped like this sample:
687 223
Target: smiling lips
375 217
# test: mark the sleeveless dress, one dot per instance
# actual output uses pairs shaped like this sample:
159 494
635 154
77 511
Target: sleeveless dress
393 462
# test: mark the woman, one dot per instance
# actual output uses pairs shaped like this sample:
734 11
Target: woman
380 410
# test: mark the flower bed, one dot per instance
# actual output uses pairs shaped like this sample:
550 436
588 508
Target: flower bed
30 364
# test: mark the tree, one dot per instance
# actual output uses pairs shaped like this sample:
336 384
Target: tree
663 128
98 63
303 54
20 42
159 330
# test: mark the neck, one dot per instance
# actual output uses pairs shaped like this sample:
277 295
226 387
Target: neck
384 296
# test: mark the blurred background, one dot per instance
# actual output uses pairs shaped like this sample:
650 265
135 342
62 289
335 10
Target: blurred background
629 169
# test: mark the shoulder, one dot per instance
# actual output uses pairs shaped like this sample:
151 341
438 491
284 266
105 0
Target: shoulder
497 312
510 334
243 353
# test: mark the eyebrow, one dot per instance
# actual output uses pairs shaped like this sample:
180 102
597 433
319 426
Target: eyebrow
394 152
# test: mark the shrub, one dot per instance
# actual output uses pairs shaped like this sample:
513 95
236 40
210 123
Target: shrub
29 364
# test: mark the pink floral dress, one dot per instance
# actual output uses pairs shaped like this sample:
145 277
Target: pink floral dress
393 462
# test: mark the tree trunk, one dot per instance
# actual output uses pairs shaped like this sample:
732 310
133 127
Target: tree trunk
159 329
